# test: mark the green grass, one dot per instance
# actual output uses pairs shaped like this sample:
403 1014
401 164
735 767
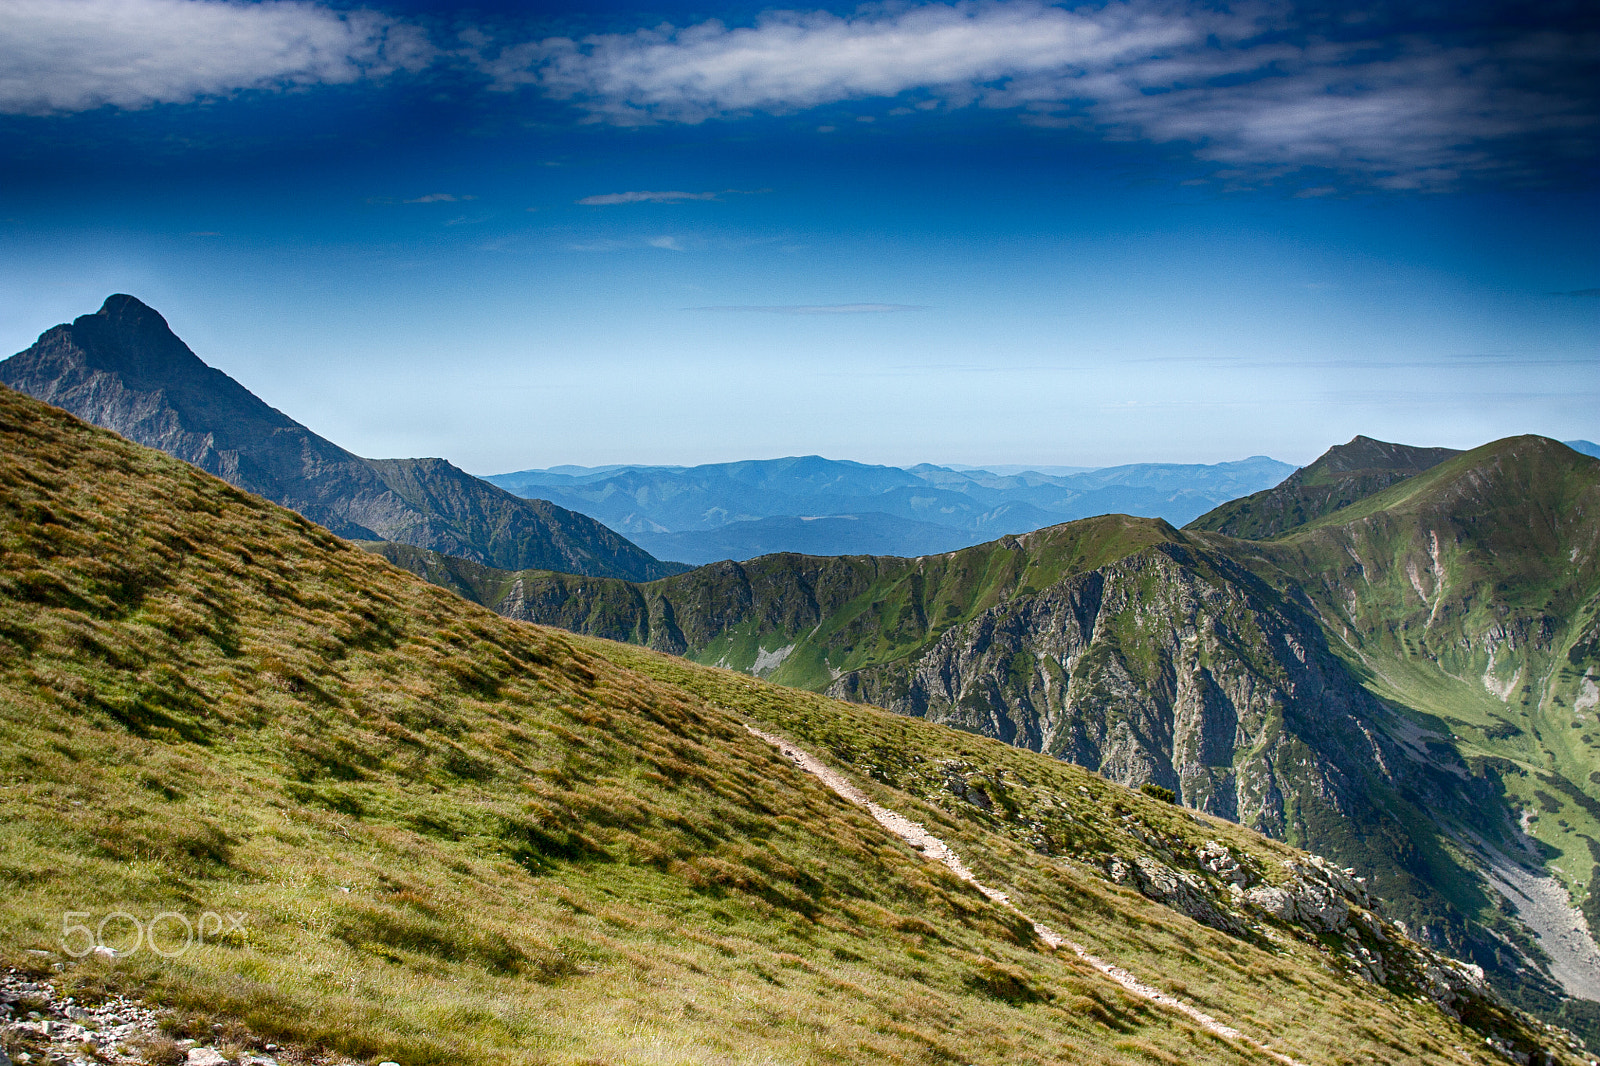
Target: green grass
1493 552
455 838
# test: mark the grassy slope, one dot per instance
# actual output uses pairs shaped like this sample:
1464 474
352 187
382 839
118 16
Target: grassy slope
1515 572
554 849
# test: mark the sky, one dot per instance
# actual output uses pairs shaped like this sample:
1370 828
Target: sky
528 234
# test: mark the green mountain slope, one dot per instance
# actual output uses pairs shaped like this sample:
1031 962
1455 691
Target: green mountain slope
449 837
797 619
1117 643
124 369
1471 594
1314 687
1342 475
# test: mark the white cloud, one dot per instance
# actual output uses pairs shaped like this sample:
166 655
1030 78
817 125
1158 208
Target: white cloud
817 309
438 198
610 198
670 244
1246 89
75 55
791 60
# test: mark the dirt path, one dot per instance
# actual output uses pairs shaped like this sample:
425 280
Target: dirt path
915 834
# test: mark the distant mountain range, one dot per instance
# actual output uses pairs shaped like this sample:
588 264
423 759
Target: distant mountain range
830 507
124 369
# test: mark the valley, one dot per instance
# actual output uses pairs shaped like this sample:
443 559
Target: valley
1361 684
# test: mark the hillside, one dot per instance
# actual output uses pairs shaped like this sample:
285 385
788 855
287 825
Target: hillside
446 837
1115 643
1341 476
1229 672
1471 595
124 369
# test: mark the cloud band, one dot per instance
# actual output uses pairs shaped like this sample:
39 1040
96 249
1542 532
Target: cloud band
75 55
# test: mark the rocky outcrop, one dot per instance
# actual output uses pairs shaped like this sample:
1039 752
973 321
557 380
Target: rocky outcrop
43 1026
1171 666
1318 901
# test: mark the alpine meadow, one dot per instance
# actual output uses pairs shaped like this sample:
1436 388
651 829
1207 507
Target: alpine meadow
932 533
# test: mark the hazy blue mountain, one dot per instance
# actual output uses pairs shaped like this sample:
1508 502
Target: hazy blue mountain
1584 447
123 368
649 503
1017 468
849 534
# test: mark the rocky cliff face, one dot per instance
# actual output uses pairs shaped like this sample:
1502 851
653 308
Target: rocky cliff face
1165 667
124 369
1175 667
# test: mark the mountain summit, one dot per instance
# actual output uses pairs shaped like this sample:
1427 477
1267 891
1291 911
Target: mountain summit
123 368
1343 474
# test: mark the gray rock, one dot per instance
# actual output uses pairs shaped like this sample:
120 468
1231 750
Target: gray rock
1219 860
1180 891
1274 900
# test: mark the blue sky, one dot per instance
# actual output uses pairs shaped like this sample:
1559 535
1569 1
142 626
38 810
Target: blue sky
521 235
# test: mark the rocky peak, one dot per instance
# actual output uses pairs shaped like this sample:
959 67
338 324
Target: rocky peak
128 338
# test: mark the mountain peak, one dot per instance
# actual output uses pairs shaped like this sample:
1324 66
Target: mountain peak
1340 476
124 369
129 338
1369 453
120 305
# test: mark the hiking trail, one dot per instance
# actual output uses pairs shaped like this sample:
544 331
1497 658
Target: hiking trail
915 834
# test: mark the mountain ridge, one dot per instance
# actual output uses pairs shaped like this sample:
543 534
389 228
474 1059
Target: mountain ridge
124 368
709 512
1341 476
